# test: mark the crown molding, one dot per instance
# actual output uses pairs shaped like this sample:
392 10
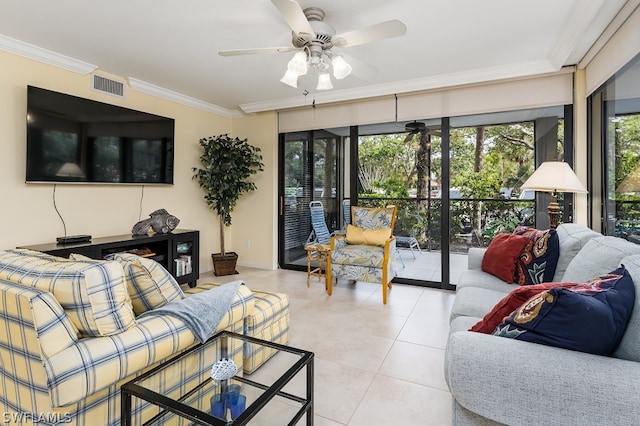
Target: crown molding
49 57
616 23
475 76
582 29
160 92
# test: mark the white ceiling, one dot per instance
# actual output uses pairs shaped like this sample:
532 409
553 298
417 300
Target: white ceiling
174 44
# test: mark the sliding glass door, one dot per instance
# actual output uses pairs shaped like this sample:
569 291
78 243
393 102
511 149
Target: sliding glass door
308 172
399 163
456 182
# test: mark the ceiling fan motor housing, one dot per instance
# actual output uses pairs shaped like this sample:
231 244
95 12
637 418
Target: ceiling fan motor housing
323 31
415 126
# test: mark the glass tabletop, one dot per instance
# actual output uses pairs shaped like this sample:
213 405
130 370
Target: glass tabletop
185 392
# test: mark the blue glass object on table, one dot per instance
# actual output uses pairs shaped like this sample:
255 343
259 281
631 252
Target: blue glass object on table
219 406
237 408
232 392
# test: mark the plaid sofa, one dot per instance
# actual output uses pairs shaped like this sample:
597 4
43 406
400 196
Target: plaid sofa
65 363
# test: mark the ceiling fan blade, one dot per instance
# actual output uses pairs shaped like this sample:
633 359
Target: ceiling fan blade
360 69
410 136
387 29
293 14
239 52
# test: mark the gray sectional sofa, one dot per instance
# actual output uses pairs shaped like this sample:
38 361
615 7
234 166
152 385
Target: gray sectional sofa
496 380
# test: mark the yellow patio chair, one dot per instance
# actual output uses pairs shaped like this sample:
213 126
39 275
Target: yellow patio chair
367 252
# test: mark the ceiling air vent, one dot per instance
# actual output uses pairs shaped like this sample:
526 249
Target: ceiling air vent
106 85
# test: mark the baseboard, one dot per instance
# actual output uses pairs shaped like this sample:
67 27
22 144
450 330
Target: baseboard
209 269
271 267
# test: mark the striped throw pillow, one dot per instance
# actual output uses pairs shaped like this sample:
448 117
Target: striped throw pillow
93 294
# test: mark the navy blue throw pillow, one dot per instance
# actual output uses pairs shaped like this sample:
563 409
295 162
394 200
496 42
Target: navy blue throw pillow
590 318
539 258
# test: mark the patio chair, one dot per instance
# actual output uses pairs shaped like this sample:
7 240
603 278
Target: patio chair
319 231
317 245
410 242
367 252
346 212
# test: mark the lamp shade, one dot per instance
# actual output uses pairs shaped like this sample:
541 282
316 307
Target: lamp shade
631 183
554 176
341 68
298 63
72 170
290 78
324 81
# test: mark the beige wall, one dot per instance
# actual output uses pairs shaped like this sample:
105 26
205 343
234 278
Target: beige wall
254 223
28 215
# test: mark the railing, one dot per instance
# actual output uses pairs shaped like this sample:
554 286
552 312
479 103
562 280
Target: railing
627 218
474 222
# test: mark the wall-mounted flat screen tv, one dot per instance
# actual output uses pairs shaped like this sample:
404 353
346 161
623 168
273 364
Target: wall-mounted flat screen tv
77 140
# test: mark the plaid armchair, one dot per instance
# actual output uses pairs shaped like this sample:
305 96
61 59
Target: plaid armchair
367 251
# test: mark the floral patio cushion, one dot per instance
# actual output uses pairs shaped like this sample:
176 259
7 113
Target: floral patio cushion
360 255
373 218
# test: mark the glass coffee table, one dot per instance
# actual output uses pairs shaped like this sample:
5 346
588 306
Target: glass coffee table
275 394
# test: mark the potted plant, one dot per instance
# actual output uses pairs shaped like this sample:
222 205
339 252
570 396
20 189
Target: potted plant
227 163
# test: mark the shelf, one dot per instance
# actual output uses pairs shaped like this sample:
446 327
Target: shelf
163 248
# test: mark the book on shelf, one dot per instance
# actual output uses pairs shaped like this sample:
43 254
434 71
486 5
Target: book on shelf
183 265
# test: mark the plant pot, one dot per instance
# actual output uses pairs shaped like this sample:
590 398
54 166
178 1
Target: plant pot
224 264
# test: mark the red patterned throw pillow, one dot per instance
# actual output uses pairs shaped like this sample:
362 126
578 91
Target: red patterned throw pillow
502 254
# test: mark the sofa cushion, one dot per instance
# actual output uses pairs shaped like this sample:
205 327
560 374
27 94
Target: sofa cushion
590 318
502 255
83 370
93 295
462 324
510 303
538 260
572 238
150 285
268 321
477 278
599 256
370 237
474 302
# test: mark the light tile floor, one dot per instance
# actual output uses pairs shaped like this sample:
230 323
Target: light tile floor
375 364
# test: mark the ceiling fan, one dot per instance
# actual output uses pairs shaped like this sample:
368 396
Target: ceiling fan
313 39
418 127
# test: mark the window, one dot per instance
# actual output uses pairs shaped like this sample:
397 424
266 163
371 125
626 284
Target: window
617 152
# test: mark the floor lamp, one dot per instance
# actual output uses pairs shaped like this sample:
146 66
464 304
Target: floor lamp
554 177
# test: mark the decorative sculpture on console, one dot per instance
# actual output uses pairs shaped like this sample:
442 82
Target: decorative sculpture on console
160 221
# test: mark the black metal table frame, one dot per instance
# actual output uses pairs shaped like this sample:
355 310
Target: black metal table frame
130 388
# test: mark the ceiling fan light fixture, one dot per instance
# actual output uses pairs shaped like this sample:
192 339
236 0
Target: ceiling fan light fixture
341 68
290 78
324 81
298 63
313 39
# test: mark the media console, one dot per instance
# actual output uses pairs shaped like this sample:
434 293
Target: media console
178 251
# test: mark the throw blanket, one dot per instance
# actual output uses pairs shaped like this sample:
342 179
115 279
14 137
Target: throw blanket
201 312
